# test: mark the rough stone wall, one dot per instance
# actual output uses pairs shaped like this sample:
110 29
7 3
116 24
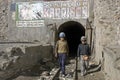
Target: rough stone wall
112 63
107 28
3 18
106 22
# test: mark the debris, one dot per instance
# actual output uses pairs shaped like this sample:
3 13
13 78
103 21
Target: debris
92 74
45 73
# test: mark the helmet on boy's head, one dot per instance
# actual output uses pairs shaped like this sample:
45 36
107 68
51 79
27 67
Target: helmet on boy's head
61 35
83 38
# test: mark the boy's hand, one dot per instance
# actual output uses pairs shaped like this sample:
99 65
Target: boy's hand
85 57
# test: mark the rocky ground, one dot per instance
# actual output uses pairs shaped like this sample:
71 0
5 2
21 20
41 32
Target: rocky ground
92 76
45 69
94 73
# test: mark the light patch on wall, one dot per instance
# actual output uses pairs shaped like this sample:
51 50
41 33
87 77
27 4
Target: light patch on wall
29 14
27 11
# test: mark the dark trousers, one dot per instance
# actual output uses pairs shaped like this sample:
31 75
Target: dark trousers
62 57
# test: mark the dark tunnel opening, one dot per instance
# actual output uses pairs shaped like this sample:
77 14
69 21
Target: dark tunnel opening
73 31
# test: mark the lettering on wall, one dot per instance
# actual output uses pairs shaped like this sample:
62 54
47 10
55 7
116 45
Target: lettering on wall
36 12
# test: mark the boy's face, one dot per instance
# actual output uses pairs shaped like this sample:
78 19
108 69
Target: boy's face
83 41
61 38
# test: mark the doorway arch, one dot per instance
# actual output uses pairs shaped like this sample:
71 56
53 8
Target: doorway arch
73 30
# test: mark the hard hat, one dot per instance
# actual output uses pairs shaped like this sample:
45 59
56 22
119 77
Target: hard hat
83 38
62 35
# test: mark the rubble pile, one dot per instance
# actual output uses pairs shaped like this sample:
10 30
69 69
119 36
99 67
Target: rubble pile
49 75
9 58
45 69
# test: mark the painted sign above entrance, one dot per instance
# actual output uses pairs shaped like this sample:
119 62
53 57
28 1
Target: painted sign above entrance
31 11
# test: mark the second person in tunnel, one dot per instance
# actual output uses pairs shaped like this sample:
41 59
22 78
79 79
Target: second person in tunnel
83 54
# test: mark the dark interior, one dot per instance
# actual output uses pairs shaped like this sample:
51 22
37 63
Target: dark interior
73 31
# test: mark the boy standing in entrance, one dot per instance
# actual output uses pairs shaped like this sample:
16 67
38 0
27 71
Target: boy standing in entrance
61 51
84 53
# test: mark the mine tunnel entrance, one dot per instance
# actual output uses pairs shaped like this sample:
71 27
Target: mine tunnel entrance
73 31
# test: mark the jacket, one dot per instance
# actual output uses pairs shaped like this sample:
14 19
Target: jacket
62 47
83 49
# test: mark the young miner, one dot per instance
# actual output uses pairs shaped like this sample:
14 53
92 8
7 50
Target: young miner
83 54
61 51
